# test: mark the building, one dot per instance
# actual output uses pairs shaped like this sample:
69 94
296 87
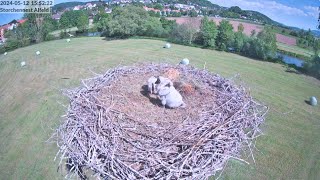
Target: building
151 9
56 16
13 24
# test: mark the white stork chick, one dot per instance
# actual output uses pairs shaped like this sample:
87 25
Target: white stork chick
169 96
163 81
38 53
152 84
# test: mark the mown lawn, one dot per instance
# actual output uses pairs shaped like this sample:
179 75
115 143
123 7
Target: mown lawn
295 49
30 101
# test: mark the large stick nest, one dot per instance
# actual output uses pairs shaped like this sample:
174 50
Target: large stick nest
115 129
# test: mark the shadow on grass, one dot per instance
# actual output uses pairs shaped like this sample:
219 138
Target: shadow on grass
307 102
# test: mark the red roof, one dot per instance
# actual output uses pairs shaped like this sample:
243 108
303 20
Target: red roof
5 27
21 21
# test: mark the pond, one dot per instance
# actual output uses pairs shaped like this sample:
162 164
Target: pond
90 34
291 60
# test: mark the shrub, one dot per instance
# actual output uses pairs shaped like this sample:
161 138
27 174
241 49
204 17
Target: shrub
313 67
49 37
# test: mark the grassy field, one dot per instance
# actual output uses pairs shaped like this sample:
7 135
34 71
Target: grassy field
295 49
30 101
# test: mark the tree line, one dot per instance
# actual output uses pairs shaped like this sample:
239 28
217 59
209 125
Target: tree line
134 21
38 27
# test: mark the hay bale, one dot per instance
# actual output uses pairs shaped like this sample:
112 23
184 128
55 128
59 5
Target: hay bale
38 53
172 74
23 63
184 61
5 53
98 135
313 101
68 40
167 45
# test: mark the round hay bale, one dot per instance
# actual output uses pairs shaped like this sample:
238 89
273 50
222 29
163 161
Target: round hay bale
167 45
184 61
313 101
115 129
38 53
172 74
68 40
5 53
23 63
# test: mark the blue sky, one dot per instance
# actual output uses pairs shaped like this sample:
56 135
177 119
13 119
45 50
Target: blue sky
297 13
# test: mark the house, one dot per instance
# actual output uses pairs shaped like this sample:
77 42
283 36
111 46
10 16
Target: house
10 26
184 7
89 6
151 9
107 10
76 8
56 16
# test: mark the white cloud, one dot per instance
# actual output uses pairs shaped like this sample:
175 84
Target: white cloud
267 7
312 11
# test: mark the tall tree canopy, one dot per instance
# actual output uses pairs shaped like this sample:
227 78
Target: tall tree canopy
225 35
77 19
131 20
208 32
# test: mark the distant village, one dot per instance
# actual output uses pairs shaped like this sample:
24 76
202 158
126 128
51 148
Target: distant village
175 10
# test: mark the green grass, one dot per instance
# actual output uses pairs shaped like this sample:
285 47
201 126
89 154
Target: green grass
295 49
30 100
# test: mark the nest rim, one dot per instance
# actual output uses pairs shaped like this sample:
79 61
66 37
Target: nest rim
199 150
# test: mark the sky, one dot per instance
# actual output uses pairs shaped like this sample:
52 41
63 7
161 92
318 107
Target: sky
298 13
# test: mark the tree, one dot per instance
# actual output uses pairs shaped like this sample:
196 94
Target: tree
153 27
182 34
240 28
167 25
253 33
193 13
235 9
262 47
313 67
82 21
239 41
316 46
127 21
225 35
77 19
208 32
38 26
158 6
64 20
269 40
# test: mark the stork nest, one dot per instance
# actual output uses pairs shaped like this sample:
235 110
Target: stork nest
118 131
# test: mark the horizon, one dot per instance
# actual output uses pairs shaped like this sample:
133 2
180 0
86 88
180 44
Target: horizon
301 14
288 12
